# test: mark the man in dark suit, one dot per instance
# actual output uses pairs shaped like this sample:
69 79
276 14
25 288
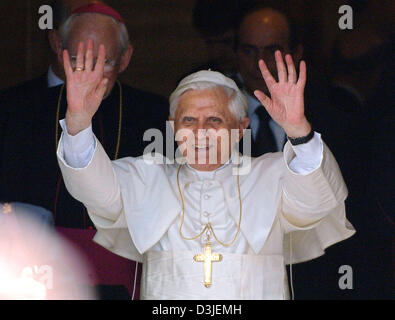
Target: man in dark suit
29 131
261 30
31 113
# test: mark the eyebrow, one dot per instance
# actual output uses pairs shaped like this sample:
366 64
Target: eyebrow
214 115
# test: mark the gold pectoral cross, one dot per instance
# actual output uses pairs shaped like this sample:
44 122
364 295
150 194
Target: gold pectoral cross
207 257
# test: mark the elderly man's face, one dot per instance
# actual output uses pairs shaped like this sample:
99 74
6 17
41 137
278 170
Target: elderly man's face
203 124
260 35
101 30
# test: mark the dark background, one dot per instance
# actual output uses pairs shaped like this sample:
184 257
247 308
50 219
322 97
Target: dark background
165 42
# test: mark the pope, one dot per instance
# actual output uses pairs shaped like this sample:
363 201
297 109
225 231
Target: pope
202 228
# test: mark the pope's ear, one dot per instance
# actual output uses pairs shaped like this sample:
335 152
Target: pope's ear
242 126
125 58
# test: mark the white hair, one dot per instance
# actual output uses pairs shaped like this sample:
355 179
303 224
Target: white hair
123 41
238 104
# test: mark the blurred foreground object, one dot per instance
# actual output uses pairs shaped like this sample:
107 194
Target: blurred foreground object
35 263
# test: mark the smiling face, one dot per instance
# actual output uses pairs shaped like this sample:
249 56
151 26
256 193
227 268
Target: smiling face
203 125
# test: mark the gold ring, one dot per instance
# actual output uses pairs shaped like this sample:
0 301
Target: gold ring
79 69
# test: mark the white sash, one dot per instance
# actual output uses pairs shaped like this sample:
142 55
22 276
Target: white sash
174 275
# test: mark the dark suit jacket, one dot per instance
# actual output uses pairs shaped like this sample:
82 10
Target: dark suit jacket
28 167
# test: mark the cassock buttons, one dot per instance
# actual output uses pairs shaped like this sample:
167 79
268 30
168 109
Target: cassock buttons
207 184
206 197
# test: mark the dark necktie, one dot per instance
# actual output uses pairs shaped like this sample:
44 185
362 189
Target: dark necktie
264 141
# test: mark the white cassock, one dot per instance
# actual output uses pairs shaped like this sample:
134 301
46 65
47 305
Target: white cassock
136 208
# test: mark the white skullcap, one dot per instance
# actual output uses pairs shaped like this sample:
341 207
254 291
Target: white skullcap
207 76
237 107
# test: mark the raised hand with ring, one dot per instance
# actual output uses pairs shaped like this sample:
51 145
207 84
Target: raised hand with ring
85 85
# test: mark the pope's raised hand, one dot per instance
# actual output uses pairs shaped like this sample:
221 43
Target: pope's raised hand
85 86
286 102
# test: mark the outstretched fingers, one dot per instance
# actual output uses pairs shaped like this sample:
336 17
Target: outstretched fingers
89 55
267 76
292 77
68 70
281 70
302 74
80 64
264 99
101 59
